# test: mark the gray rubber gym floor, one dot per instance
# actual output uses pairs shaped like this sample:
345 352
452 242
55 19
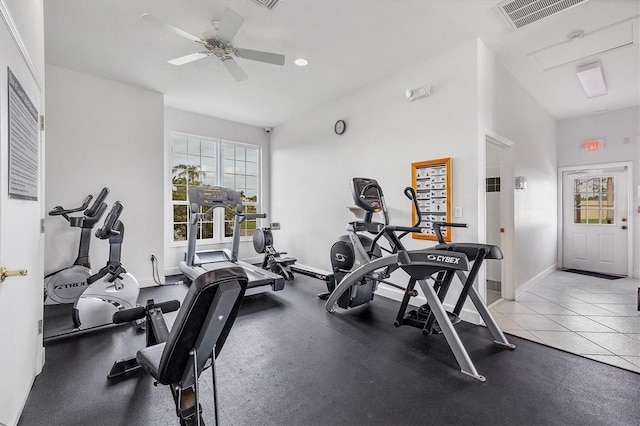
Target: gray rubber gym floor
288 362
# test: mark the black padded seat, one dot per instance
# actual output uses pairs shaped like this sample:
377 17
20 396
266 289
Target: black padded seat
286 261
203 322
150 359
472 249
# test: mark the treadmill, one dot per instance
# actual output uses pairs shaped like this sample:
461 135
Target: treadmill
198 263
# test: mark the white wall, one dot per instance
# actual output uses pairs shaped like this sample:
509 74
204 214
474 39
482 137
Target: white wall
312 166
200 125
508 109
471 92
103 133
613 127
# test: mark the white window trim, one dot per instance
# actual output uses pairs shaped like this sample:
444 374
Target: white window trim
218 239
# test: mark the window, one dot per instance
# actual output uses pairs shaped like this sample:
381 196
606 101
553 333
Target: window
493 184
196 161
593 200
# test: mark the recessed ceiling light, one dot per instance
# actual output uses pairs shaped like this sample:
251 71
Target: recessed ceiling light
301 62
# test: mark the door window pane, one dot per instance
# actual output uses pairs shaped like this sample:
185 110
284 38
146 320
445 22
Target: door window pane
594 201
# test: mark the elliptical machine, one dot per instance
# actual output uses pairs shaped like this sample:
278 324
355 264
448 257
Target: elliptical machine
66 285
112 288
356 249
441 264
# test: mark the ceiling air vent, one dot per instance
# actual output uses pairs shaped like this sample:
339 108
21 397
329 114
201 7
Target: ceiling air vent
524 12
267 3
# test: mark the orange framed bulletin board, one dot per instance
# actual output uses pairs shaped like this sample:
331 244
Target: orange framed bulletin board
432 182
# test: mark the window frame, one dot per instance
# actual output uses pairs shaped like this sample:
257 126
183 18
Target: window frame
218 215
587 206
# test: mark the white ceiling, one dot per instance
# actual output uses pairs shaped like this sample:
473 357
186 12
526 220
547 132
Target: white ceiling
349 43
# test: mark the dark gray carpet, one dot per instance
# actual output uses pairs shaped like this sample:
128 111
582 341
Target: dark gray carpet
288 362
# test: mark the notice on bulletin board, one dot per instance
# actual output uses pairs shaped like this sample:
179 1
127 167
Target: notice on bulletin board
23 143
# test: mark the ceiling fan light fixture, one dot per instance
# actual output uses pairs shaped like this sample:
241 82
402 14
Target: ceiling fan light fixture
301 62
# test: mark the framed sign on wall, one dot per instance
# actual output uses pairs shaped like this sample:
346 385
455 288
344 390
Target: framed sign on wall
432 182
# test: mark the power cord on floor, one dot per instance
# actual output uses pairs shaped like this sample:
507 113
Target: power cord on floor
156 275
154 269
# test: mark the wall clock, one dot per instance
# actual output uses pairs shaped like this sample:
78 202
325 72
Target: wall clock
340 127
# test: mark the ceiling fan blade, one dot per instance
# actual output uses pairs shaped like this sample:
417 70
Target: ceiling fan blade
229 25
172 28
257 55
233 68
188 58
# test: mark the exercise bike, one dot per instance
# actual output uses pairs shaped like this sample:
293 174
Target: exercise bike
66 285
112 288
356 249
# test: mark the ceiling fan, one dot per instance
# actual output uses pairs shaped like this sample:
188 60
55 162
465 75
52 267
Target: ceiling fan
218 43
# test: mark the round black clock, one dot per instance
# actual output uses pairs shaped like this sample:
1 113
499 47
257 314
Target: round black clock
340 127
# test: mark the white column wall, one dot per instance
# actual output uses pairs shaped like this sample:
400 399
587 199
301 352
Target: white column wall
508 109
103 133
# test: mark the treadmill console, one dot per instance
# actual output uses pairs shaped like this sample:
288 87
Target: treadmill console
367 194
213 196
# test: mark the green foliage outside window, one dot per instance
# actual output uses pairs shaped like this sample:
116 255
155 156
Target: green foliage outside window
194 163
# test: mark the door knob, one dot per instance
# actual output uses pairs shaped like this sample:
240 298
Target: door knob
624 226
624 219
4 273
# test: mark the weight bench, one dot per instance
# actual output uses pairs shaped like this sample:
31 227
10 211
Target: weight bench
177 358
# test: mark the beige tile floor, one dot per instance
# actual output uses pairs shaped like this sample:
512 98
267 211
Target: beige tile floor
591 317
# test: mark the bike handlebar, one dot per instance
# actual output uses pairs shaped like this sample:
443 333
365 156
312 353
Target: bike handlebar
95 207
107 230
438 225
61 211
253 215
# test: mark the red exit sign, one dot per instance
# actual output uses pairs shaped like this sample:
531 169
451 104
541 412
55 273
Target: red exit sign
593 145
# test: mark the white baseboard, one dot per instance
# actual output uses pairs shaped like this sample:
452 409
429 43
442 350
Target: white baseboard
149 282
529 284
40 360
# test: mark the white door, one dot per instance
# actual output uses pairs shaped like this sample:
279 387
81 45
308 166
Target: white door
595 220
21 240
